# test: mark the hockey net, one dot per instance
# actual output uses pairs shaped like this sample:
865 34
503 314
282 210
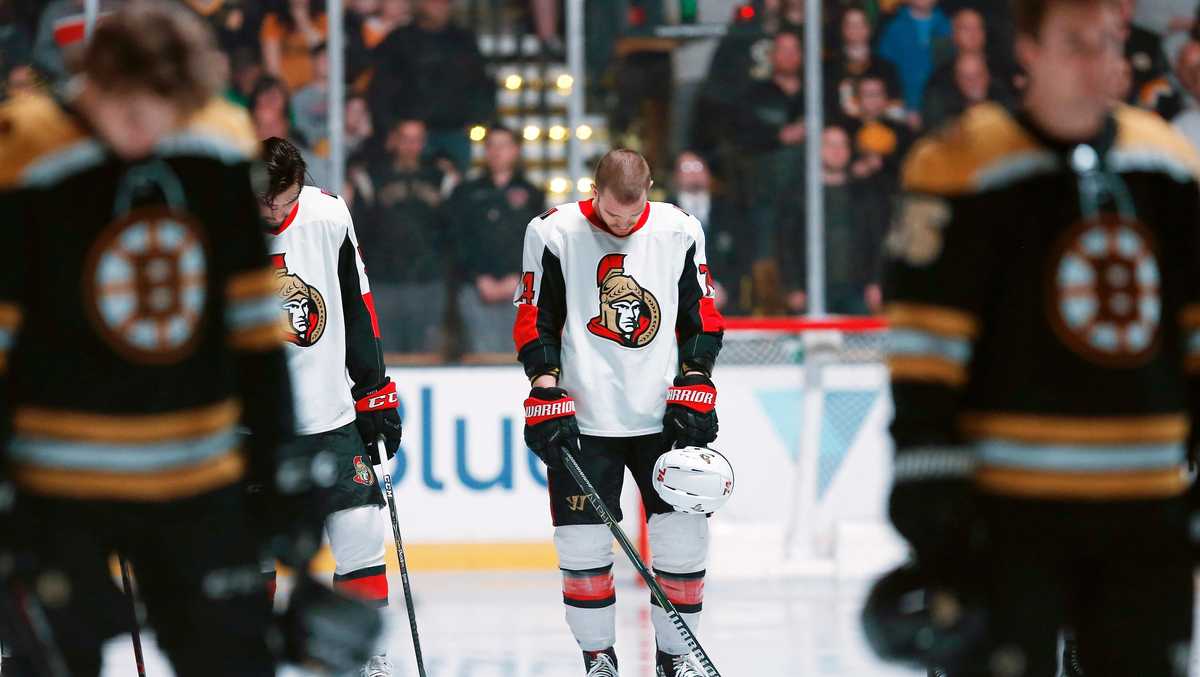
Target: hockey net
804 408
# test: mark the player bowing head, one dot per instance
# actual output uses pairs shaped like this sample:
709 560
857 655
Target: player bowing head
622 181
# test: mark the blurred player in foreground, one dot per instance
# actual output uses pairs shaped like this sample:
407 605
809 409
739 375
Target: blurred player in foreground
336 366
138 327
618 333
1044 301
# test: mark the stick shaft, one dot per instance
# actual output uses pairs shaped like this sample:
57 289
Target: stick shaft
656 590
408 597
134 632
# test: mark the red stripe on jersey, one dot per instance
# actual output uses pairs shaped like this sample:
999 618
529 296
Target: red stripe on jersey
683 591
69 30
369 302
288 221
711 319
589 212
589 588
525 329
373 588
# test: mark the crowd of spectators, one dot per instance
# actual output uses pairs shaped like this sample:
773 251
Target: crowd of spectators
442 234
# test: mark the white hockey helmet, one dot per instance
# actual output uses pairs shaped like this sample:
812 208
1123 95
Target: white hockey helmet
695 480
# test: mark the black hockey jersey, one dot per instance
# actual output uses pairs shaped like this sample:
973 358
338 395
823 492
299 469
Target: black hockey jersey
138 316
1044 302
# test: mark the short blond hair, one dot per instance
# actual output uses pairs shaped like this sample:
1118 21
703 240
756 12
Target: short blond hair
624 174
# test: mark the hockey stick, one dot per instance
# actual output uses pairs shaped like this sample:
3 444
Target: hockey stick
655 589
408 598
134 633
24 624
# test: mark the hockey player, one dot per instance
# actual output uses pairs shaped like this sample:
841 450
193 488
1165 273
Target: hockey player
1045 313
617 331
344 400
138 328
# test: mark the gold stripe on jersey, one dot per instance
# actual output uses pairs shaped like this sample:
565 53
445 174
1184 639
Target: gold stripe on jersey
1081 485
10 316
1189 317
125 429
1143 132
951 161
260 282
260 338
928 369
165 485
32 126
225 120
941 320
1038 429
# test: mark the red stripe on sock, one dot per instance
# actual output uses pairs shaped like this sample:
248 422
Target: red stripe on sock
371 588
589 588
689 591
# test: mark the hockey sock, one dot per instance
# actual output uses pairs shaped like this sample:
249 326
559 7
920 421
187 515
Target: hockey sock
356 539
679 543
585 558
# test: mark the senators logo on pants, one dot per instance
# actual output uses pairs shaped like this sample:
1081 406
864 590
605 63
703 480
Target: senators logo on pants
629 314
306 315
362 472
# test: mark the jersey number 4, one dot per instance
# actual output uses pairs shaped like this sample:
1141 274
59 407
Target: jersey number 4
527 288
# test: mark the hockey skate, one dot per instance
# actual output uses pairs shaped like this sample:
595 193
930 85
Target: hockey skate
600 663
378 666
676 666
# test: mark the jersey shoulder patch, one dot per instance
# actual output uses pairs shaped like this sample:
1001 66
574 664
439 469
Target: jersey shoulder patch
32 126
964 157
1149 142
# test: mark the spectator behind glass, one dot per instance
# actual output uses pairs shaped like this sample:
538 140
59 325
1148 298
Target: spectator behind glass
432 71
852 236
487 216
288 37
388 16
15 52
855 61
725 228
908 42
235 23
969 36
310 105
245 72
402 242
972 84
1143 51
773 111
879 141
271 112
1187 70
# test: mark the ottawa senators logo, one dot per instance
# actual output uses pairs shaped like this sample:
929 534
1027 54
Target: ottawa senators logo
629 314
304 305
362 472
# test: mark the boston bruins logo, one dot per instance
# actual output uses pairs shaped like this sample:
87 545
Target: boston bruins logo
1105 281
144 284
303 303
629 314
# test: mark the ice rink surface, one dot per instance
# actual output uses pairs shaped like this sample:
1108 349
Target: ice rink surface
511 625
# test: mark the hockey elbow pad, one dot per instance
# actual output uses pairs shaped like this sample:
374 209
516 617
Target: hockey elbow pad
550 424
691 416
378 415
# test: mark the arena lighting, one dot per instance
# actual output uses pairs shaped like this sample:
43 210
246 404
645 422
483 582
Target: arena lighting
583 132
565 81
478 133
557 132
584 185
513 82
559 185
746 12
532 132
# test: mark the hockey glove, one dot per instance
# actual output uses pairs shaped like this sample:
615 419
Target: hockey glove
691 417
379 415
326 630
550 424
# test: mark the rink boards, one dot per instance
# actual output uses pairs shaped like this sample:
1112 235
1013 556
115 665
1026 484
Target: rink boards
471 496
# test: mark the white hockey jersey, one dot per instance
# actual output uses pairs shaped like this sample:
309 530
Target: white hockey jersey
334 353
618 316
